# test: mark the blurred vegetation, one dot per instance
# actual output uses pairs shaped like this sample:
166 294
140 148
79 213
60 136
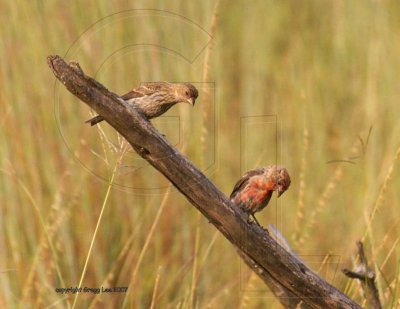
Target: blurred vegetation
311 85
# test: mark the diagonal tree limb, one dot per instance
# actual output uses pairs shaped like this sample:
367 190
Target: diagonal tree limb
285 296
265 253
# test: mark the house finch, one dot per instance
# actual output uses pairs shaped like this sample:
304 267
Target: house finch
155 98
254 190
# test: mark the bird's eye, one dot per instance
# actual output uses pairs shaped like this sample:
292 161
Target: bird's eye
187 93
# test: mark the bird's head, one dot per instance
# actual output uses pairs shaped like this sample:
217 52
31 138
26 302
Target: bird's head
186 93
279 177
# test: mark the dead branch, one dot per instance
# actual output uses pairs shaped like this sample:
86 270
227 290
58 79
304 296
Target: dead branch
268 259
367 277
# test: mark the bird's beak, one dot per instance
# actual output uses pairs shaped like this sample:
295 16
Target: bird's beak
279 191
191 101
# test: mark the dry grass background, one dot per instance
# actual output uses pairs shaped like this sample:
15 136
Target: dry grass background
322 79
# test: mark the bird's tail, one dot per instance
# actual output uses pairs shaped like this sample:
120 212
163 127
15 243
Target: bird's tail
95 120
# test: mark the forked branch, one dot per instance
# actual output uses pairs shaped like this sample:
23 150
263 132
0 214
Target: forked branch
366 275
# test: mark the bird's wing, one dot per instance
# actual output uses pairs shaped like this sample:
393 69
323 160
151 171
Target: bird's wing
137 93
155 86
241 183
131 95
145 89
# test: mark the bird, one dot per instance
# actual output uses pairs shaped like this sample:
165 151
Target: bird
155 98
253 191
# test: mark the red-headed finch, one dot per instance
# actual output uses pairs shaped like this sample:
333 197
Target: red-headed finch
254 189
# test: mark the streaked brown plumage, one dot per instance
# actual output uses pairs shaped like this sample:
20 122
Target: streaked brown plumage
254 189
155 98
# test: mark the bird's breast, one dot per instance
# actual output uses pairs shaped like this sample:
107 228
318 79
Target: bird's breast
256 195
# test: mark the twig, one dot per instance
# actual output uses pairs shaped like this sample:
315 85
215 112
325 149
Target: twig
367 277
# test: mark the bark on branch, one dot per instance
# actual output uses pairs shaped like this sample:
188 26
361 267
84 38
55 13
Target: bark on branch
260 251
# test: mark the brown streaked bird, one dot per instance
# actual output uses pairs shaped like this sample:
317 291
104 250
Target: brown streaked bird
254 189
155 98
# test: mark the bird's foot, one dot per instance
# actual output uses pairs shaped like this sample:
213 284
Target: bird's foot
254 220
